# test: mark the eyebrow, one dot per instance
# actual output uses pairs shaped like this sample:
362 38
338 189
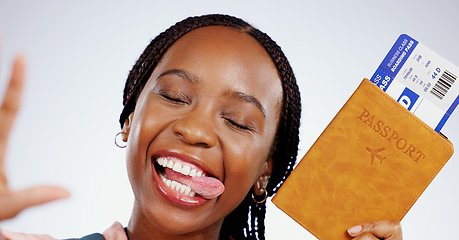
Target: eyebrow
180 73
248 98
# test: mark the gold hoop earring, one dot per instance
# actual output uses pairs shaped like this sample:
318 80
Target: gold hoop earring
116 142
264 198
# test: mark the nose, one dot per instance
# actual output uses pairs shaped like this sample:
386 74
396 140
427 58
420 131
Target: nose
195 128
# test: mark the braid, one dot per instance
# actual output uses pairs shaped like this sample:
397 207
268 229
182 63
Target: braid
286 143
247 220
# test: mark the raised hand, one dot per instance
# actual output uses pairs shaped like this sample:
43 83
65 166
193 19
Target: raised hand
13 202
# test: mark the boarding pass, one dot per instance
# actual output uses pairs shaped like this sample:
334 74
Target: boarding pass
420 80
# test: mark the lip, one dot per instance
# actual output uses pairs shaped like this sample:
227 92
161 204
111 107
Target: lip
173 195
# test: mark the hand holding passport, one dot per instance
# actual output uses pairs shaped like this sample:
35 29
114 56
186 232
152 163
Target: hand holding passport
371 163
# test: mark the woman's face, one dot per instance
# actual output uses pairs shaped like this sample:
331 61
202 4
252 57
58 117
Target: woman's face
212 104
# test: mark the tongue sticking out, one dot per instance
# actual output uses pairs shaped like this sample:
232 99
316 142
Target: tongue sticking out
206 187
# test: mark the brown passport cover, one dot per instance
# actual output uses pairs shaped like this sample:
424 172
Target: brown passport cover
371 163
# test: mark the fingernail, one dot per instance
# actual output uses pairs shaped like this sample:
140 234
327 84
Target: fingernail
355 230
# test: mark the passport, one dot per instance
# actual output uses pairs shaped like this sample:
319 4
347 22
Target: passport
371 163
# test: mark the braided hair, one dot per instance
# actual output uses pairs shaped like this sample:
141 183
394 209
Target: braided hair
247 220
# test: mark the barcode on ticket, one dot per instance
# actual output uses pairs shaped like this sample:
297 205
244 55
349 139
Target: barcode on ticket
443 84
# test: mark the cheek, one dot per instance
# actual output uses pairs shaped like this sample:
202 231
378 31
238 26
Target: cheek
148 121
248 158
244 166
146 125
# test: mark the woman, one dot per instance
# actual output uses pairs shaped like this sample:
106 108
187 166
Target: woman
210 121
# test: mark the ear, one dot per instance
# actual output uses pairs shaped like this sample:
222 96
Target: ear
127 127
260 185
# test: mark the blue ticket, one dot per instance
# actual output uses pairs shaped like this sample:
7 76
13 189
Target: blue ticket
420 80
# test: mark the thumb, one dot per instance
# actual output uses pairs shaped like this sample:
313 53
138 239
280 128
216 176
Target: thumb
12 203
380 229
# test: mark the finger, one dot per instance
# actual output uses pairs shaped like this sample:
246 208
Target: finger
7 235
116 231
8 110
12 97
390 230
366 236
12 203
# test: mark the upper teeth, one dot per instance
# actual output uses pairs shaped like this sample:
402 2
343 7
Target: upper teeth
178 167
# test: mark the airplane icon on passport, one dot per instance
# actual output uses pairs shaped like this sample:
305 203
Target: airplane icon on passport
374 154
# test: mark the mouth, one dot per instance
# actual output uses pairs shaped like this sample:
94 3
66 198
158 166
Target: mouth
187 180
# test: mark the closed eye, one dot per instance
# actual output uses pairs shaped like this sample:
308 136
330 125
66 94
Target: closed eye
175 98
238 126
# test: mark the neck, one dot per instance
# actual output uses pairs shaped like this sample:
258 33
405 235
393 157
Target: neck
141 228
